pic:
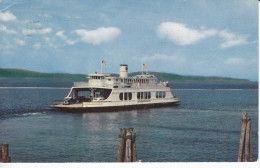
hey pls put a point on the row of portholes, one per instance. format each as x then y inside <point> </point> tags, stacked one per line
<point>127,96</point>
<point>160,94</point>
<point>141,95</point>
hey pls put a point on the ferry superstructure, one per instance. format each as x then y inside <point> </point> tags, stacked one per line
<point>105,92</point>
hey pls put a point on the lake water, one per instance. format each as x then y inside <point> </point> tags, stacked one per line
<point>205,127</point>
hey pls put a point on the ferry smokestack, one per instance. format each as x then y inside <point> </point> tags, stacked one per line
<point>123,71</point>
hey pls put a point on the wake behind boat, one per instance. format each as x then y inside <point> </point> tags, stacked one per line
<point>106,93</point>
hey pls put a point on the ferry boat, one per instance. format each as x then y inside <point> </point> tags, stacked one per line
<point>106,93</point>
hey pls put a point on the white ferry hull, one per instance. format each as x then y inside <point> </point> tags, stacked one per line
<point>69,108</point>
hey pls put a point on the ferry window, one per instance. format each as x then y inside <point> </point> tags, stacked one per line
<point>138,95</point>
<point>163,94</point>
<point>149,95</point>
<point>130,96</point>
<point>142,95</point>
<point>126,68</point>
<point>109,79</point>
<point>121,96</point>
<point>158,95</point>
<point>98,77</point>
<point>102,77</point>
<point>116,79</point>
<point>125,96</point>
<point>145,95</point>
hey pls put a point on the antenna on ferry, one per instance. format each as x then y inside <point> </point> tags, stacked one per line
<point>103,63</point>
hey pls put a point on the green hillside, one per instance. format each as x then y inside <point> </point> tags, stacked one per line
<point>169,77</point>
<point>20,73</point>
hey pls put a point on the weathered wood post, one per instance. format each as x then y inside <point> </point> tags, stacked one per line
<point>126,151</point>
<point>245,145</point>
<point>5,158</point>
<point>247,141</point>
<point>242,138</point>
<point>134,157</point>
<point>128,145</point>
<point>121,145</point>
<point>250,145</point>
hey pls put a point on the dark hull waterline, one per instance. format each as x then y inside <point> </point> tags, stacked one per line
<point>115,108</point>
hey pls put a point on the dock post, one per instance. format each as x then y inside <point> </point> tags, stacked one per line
<point>242,138</point>
<point>5,158</point>
<point>128,146</point>
<point>126,151</point>
<point>121,145</point>
<point>134,147</point>
<point>245,152</point>
<point>247,141</point>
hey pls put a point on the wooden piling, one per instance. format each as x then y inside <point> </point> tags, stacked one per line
<point>245,152</point>
<point>121,145</point>
<point>128,147</point>
<point>250,145</point>
<point>5,158</point>
<point>126,151</point>
<point>242,138</point>
<point>134,147</point>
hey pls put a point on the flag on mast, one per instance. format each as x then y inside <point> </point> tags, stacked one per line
<point>144,66</point>
<point>103,63</point>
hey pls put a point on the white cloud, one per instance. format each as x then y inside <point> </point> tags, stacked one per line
<point>37,45</point>
<point>19,41</point>
<point>7,16</point>
<point>63,37</point>
<point>182,35</point>
<point>36,31</point>
<point>98,36</point>
<point>6,30</point>
<point>231,39</point>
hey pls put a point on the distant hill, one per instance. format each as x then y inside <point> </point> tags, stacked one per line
<point>21,73</point>
<point>175,77</point>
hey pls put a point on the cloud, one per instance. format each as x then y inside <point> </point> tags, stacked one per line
<point>36,31</point>
<point>231,39</point>
<point>182,35</point>
<point>6,30</point>
<point>7,16</point>
<point>19,41</point>
<point>98,36</point>
<point>63,37</point>
<point>37,45</point>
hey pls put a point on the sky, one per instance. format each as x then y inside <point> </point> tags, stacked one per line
<point>186,37</point>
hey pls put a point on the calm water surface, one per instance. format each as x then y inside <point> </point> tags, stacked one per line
<point>205,127</point>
